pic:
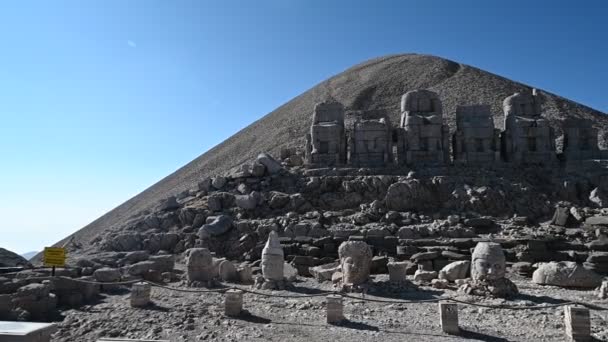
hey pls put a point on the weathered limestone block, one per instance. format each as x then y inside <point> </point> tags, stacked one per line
<point>528,138</point>
<point>219,226</point>
<point>335,311</point>
<point>163,263</point>
<point>580,140</point>
<point>107,275</point>
<point>326,142</point>
<point>566,274</point>
<point>577,323</point>
<point>218,182</point>
<point>140,294</point>
<point>371,142</point>
<point>140,269</point>
<point>355,262</point>
<point>245,274</point>
<point>455,270</point>
<point>227,271</point>
<point>247,202</point>
<point>409,195</point>
<point>475,141</point>
<point>26,331</point>
<point>272,166</point>
<point>169,204</point>
<point>324,272</point>
<point>423,138</point>
<point>36,299</point>
<point>233,305</point>
<point>561,216</point>
<point>290,272</point>
<point>423,276</point>
<point>448,317</point>
<point>397,271</point>
<point>272,259</point>
<point>199,265</point>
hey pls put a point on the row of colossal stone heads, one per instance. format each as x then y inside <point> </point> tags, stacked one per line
<point>422,138</point>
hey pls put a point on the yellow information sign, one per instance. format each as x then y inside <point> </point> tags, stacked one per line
<point>54,256</point>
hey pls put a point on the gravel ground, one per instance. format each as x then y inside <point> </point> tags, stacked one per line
<point>180,316</point>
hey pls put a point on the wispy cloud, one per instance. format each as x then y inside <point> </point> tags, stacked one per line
<point>131,43</point>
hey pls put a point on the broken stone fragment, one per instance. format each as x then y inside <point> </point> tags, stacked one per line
<point>455,270</point>
<point>218,182</point>
<point>423,276</point>
<point>566,274</point>
<point>324,272</point>
<point>107,275</point>
<point>199,265</point>
<point>169,204</point>
<point>270,163</point>
<point>220,225</point>
<point>290,273</point>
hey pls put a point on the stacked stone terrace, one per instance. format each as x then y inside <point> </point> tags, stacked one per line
<point>422,138</point>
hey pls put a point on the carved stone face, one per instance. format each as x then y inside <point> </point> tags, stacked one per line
<point>272,267</point>
<point>355,257</point>
<point>488,262</point>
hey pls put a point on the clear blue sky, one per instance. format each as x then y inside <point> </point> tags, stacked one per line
<point>100,99</point>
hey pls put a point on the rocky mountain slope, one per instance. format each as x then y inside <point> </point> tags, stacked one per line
<point>10,259</point>
<point>375,84</point>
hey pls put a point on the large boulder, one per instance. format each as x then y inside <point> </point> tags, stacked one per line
<point>409,195</point>
<point>169,204</point>
<point>219,226</point>
<point>566,274</point>
<point>455,270</point>
<point>272,166</point>
<point>107,275</point>
<point>247,202</point>
<point>324,272</point>
<point>599,197</point>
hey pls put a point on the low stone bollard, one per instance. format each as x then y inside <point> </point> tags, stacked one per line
<point>233,304</point>
<point>140,294</point>
<point>577,322</point>
<point>335,311</point>
<point>397,271</point>
<point>448,317</point>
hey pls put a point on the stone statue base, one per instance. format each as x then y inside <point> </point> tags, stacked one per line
<point>265,284</point>
<point>208,284</point>
<point>501,288</point>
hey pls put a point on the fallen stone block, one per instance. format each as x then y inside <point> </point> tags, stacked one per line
<point>26,331</point>
<point>566,274</point>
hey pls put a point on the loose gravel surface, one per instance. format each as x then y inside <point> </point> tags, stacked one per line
<point>183,316</point>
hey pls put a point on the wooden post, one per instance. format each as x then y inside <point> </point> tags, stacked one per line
<point>335,313</point>
<point>578,323</point>
<point>233,304</point>
<point>448,317</point>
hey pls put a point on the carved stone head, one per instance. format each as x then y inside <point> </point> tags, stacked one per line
<point>272,258</point>
<point>488,262</point>
<point>355,260</point>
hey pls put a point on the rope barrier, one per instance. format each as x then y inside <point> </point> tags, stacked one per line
<point>325,293</point>
<point>321,294</point>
